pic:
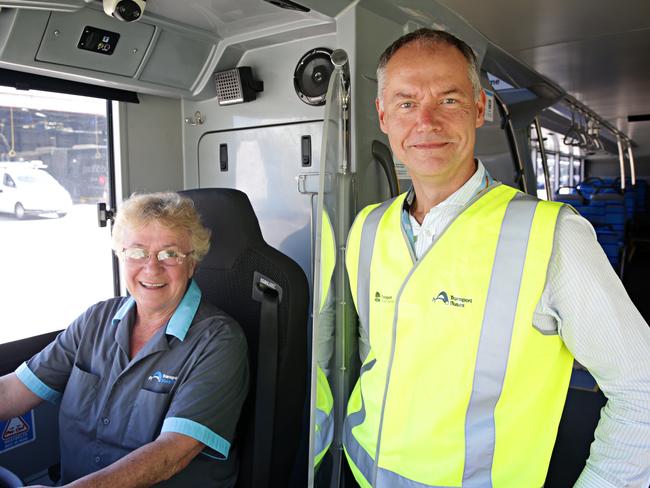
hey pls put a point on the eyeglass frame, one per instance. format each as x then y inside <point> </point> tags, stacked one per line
<point>180,257</point>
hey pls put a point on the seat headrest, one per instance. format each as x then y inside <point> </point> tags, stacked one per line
<point>229,212</point>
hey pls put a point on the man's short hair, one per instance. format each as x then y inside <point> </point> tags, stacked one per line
<point>428,38</point>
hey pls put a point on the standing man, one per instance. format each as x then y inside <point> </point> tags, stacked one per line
<point>473,300</point>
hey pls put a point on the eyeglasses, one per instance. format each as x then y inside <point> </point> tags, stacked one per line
<point>166,257</point>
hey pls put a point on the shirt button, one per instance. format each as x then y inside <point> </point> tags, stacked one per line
<point>106,421</point>
<point>97,459</point>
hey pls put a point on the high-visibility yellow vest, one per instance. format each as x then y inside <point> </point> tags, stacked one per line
<point>459,389</point>
<point>324,423</point>
<point>324,418</point>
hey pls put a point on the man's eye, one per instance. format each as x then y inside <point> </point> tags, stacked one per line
<point>449,100</point>
<point>406,105</point>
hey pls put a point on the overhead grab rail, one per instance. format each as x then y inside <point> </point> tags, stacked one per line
<point>572,136</point>
<point>594,124</point>
<point>585,133</point>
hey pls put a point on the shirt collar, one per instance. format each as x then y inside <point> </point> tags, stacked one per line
<point>477,182</point>
<point>180,322</point>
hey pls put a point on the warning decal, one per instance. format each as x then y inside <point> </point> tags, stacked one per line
<point>17,431</point>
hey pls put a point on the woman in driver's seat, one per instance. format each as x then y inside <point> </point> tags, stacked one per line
<point>150,386</point>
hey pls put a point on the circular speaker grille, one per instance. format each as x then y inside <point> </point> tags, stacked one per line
<point>312,76</point>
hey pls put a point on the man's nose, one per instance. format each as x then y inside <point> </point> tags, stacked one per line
<point>429,117</point>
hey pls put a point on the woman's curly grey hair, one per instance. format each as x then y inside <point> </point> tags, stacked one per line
<point>168,209</point>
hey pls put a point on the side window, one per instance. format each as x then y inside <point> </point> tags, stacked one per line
<point>565,161</point>
<point>57,148</point>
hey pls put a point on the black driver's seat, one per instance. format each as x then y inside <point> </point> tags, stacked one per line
<point>268,294</point>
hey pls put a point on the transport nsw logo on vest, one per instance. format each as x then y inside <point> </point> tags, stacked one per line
<point>451,300</point>
<point>379,298</point>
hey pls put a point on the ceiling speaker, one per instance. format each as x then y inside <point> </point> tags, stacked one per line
<point>312,76</point>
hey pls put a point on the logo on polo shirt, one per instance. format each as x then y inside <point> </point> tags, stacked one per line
<point>163,378</point>
<point>453,300</point>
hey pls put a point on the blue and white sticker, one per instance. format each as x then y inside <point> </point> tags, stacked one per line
<point>17,431</point>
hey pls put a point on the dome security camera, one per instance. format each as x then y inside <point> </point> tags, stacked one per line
<point>126,10</point>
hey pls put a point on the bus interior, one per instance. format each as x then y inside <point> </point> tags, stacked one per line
<point>276,99</point>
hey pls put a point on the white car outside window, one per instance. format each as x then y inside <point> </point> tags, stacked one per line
<point>27,189</point>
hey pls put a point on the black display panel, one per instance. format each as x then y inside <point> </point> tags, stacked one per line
<point>98,40</point>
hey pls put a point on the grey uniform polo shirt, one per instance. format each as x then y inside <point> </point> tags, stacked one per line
<point>191,377</point>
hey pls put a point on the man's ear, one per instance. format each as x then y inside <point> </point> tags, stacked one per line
<point>381,115</point>
<point>480,109</point>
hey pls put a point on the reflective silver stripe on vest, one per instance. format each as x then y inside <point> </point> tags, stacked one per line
<point>360,457</point>
<point>388,479</point>
<point>325,433</point>
<point>494,343</point>
<point>366,246</point>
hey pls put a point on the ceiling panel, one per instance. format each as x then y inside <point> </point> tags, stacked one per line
<point>597,50</point>
<point>523,24</point>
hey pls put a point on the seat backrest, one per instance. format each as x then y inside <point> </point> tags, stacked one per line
<point>238,253</point>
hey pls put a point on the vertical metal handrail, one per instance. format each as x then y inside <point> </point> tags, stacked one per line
<point>542,150</point>
<point>621,160</point>
<point>630,156</point>
<point>341,380</point>
<point>512,141</point>
<point>337,128</point>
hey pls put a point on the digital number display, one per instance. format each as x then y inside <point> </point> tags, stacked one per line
<point>98,40</point>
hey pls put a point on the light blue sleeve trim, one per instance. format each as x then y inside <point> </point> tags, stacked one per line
<point>199,432</point>
<point>37,387</point>
<point>180,322</point>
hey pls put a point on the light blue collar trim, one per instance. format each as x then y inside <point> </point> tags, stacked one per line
<point>180,322</point>
<point>124,309</point>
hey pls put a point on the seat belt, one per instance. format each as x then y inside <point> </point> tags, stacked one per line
<point>269,294</point>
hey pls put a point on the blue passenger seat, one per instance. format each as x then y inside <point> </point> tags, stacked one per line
<point>604,206</point>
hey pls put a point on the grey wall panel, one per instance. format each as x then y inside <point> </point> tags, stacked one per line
<point>187,55</point>
<point>151,145</point>
<point>265,163</point>
<point>277,104</point>
<point>494,151</point>
<point>64,30</point>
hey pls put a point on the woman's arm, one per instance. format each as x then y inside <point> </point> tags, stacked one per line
<point>150,464</point>
<point>15,397</point>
